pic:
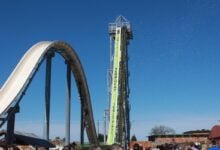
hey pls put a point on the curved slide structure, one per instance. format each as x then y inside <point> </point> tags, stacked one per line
<point>17,83</point>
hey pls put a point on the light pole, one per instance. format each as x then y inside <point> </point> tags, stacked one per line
<point>105,123</point>
<point>131,124</point>
<point>98,127</point>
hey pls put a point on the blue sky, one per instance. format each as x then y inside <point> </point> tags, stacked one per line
<point>174,59</point>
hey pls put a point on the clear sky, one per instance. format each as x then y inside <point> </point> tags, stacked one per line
<point>174,59</point>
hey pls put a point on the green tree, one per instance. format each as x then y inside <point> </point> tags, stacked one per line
<point>162,130</point>
<point>101,137</point>
<point>133,138</point>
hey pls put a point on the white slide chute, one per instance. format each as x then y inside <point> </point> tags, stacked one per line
<point>17,83</point>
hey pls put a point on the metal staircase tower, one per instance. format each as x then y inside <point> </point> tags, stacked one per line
<point>119,124</point>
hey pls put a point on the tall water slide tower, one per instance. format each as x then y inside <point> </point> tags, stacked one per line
<point>119,124</point>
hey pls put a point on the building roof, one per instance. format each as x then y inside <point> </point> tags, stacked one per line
<point>203,131</point>
<point>178,135</point>
<point>27,139</point>
<point>215,132</point>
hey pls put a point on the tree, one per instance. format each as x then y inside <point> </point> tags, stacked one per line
<point>64,139</point>
<point>101,137</point>
<point>133,138</point>
<point>162,130</point>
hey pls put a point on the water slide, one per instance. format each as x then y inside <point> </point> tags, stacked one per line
<point>115,88</point>
<point>17,83</point>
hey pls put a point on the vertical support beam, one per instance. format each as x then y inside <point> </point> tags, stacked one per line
<point>68,103</point>
<point>47,95</point>
<point>11,125</point>
<point>82,123</point>
<point>128,123</point>
<point>127,105</point>
<point>110,74</point>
